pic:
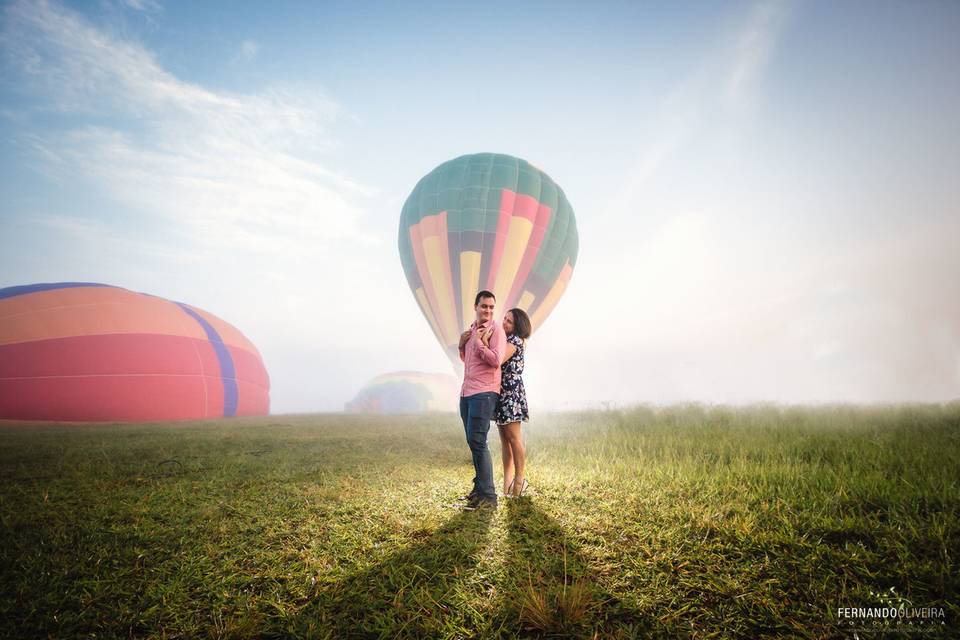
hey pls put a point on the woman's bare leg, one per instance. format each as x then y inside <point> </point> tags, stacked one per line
<point>506,453</point>
<point>515,440</point>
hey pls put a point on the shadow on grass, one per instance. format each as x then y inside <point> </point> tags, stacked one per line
<point>432,589</point>
<point>550,590</point>
<point>417,592</point>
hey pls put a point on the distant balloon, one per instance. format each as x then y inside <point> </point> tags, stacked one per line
<point>407,392</point>
<point>94,352</point>
<point>486,221</point>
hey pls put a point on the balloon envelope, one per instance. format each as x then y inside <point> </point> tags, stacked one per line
<point>407,392</point>
<point>486,221</point>
<point>94,352</point>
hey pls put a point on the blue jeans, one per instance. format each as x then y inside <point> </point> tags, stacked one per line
<point>476,411</point>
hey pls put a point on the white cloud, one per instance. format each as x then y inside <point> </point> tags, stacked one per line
<point>229,169</point>
<point>754,45</point>
<point>221,199</point>
<point>147,6</point>
<point>725,82</point>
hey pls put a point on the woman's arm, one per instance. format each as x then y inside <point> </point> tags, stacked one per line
<point>492,343</point>
<point>509,353</point>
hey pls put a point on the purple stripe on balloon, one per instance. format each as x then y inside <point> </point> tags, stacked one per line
<point>228,375</point>
<point>20,290</point>
<point>453,250</point>
<point>471,241</point>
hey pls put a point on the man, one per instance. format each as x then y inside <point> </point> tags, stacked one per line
<point>481,349</point>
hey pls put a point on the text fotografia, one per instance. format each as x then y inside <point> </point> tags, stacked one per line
<point>890,613</point>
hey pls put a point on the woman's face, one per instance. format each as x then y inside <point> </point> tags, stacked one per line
<point>508,323</point>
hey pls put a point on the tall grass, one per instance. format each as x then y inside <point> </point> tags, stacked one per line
<point>647,522</point>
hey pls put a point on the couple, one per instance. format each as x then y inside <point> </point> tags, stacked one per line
<point>492,357</point>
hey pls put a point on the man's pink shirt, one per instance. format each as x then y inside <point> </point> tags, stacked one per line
<point>481,364</point>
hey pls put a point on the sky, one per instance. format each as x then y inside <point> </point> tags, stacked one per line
<point>765,192</point>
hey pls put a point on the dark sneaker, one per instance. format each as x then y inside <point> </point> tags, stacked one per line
<point>480,503</point>
<point>470,496</point>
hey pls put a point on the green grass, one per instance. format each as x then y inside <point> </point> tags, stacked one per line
<point>685,521</point>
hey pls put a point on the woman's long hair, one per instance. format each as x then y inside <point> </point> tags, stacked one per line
<point>521,323</point>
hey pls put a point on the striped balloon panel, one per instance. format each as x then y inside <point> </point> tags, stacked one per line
<point>84,351</point>
<point>486,221</point>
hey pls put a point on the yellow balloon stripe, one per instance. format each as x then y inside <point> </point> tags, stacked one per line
<point>550,300</point>
<point>441,287</point>
<point>526,300</point>
<point>518,234</point>
<point>416,244</point>
<point>469,281</point>
<point>425,307</point>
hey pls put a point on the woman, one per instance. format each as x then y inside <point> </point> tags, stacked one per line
<point>512,406</point>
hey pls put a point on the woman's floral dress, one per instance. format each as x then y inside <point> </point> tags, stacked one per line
<point>512,406</point>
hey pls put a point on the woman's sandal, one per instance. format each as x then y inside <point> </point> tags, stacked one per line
<point>522,489</point>
<point>509,491</point>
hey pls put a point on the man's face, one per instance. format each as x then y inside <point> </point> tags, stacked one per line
<point>485,310</point>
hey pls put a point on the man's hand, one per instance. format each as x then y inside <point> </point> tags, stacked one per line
<point>485,337</point>
<point>464,337</point>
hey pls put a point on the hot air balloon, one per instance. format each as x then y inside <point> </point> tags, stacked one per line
<point>486,221</point>
<point>95,352</point>
<point>407,392</point>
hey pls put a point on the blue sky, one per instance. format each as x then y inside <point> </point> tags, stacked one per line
<point>765,191</point>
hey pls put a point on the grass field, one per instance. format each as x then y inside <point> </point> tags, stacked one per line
<point>684,521</point>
